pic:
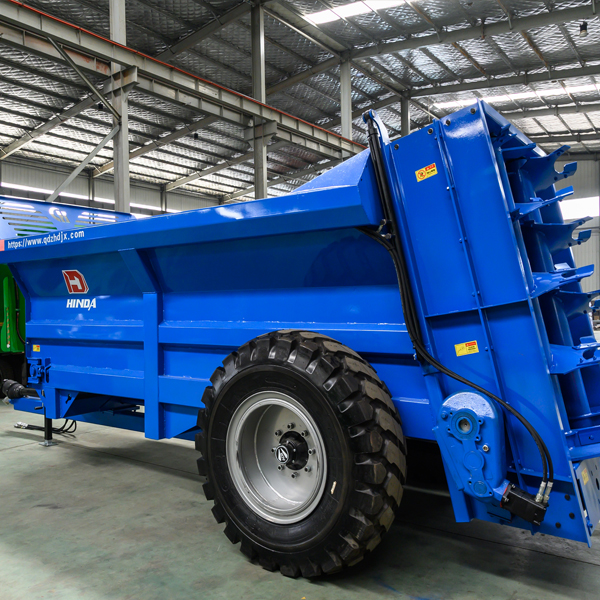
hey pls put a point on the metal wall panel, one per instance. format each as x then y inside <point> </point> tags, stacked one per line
<point>585,181</point>
<point>588,254</point>
<point>49,177</point>
<point>178,201</point>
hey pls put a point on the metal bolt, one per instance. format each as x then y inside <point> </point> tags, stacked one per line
<point>278,432</point>
<point>473,111</point>
<point>280,467</point>
<point>430,131</point>
<point>486,448</point>
<point>304,433</point>
<point>291,425</point>
<point>447,122</point>
<point>273,449</point>
<point>311,451</point>
<point>295,474</point>
<point>396,146</point>
<point>307,469</point>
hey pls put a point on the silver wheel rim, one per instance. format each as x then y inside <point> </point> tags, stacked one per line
<point>260,426</point>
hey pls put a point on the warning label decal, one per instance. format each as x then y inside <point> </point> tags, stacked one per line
<point>466,348</point>
<point>36,348</point>
<point>426,172</point>
<point>585,476</point>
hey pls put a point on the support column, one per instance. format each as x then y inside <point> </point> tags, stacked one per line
<point>404,116</point>
<point>121,140</point>
<point>259,92</point>
<point>91,187</point>
<point>163,198</point>
<point>346,100</point>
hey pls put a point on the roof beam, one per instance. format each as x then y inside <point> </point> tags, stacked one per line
<point>564,139</point>
<point>581,156</point>
<point>283,178</point>
<point>237,12</point>
<point>524,79</point>
<point>123,78</point>
<point>28,29</point>
<point>459,35</point>
<point>162,141</point>
<point>469,33</point>
<point>230,162</point>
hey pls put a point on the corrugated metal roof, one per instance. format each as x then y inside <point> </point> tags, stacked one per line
<point>34,89</point>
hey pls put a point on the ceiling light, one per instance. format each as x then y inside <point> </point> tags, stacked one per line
<point>350,10</point>
<point>583,29</point>
<point>383,4</point>
<point>325,16</point>
<point>558,91</point>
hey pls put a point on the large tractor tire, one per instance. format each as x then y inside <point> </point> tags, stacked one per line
<point>303,452</point>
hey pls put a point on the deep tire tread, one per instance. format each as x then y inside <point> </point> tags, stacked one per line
<point>364,406</point>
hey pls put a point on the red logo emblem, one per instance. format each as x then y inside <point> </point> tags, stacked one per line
<point>76,283</point>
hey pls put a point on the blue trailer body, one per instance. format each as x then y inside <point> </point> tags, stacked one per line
<point>167,298</point>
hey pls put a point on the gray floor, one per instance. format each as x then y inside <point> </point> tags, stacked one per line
<point>109,515</point>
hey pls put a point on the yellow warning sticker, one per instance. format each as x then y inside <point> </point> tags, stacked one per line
<point>466,348</point>
<point>585,476</point>
<point>426,172</point>
<point>36,348</point>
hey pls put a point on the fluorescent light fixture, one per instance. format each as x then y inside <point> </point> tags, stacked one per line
<point>173,210</point>
<point>28,188</point>
<point>350,10</point>
<point>325,16</point>
<point>559,91</point>
<point>383,4</point>
<point>104,200</point>
<point>144,206</point>
<point>581,207</point>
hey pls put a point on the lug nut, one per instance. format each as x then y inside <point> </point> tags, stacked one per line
<point>291,425</point>
<point>280,467</point>
<point>295,474</point>
<point>278,432</point>
<point>307,469</point>
<point>273,449</point>
<point>485,448</point>
<point>311,451</point>
<point>304,433</point>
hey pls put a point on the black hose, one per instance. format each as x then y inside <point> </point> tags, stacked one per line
<point>67,428</point>
<point>394,246</point>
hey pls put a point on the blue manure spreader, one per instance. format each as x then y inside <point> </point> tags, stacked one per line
<point>422,294</point>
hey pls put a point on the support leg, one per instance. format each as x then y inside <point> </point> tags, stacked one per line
<point>48,441</point>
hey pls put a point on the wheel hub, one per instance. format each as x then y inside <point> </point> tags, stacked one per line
<point>292,451</point>
<point>281,476</point>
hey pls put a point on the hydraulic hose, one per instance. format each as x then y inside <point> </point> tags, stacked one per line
<point>391,241</point>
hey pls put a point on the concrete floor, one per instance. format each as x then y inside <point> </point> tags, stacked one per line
<point>109,515</point>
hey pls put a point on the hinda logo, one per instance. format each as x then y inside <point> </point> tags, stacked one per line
<point>76,283</point>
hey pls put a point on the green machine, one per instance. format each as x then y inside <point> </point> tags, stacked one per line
<point>12,333</point>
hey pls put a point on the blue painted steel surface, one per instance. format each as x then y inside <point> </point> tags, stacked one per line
<point>493,275</point>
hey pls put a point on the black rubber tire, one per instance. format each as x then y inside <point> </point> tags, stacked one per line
<point>366,451</point>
